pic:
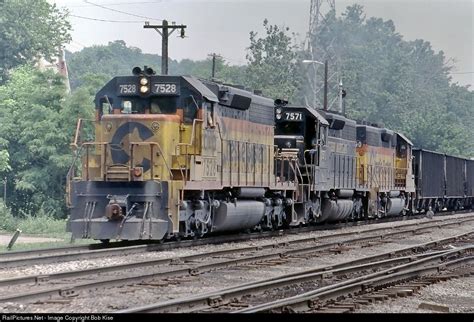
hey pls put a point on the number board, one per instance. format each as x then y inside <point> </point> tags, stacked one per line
<point>293,116</point>
<point>165,88</point>
<point>127,89</point>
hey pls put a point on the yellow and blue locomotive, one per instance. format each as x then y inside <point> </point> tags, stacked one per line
<point>349,170</point>
<point>177,156</point>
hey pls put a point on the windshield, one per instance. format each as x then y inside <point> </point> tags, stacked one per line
<point>289,128</point>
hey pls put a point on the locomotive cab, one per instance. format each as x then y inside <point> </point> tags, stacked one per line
<point>300,128</point>
<point>147,132</point>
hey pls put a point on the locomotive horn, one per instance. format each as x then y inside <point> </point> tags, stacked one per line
<point>280,102</point>
<point>136,71</point>
<point>149,71</point>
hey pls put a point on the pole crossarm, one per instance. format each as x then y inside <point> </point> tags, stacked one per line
<point>165,30</point>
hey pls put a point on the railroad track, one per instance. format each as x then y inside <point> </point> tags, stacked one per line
<point>153,245</point>
<point>273,253</point>
<point>92,251</point>
<point>325,286</point>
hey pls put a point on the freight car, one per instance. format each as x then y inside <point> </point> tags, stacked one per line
<point>443,182</point>
<point>176,156</point>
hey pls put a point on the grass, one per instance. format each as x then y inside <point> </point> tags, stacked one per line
<point>49,244</point>
<point>40,225</point>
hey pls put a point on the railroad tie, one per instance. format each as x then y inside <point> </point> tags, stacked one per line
<point>344,305</point>
<point>238,304</point>
<point>401,292</point>
<point>376,297</point>
<point>433,307</point>
<point>334,310</point>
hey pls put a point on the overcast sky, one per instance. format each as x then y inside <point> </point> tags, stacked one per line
<point>223,26</point>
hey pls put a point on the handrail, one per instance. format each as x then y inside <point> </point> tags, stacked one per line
<point>222,152</point>
<point>188,144</point>
<point>77,135</point>
<point>192,133</point>
<point>70,174</point>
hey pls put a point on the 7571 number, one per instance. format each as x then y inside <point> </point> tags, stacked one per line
<point>293,116</point>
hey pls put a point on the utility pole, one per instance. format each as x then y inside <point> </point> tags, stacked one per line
<point>318,11</point>
<point>325,104</point>
<point>166,31</point>
<point>213,65</point>
<point>214,55</point>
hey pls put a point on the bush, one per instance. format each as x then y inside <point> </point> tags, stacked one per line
<point>7,221</point>
<point>42,222</point>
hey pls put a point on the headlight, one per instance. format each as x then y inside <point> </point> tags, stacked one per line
<point>278,110</point>
<point>143,81</point>
<point>278,116</point>
<point>144,89</point>
<point>288,144</point>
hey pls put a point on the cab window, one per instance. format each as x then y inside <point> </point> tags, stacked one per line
<point>191,107</point>
<point>289,128</point>
<point>163,105</point>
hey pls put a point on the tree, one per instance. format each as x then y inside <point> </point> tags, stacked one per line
<point>273,66</point>
<point>114,59</point>
<point>4,161</point>
<point>32,132</point>
<point>117,59</point>
<point>30,30</point>
<point>402,84</point>
<point>226,73</point>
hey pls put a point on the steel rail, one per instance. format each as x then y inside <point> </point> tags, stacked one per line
<point>50,255</point>
<point>309,300</point>
<point>119,281</point>
<point>118,251</point>
<point>201,301</point>
<point>183,259</point>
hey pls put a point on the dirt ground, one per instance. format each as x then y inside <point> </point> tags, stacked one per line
<point>22,239</point>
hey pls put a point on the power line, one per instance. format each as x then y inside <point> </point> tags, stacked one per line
<point>233,60</point>
<point>117,4</point>
<point>463,73</point>
<point>104,20</point>
<point>122,12</point>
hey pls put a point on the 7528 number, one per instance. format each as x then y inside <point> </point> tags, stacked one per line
<point>165,88</point>
<point>127,89</point>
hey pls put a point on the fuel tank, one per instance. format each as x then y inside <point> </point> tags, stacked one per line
<point>239,215</point>
<point>336,210</point>
<point>395,206</point>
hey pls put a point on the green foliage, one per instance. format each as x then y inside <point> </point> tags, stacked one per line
<point>4,161</point>
<point>224,72</point>
<point>32,131</point>
<point>42,222</point>
<point>401,84</point>
<point>94,66</point>
<point>7,221</point>
<point>273,65</point>
<point>30,30</point>
<point>109,61</point>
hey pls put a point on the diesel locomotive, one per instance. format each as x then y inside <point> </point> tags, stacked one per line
<point>177,156</point>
